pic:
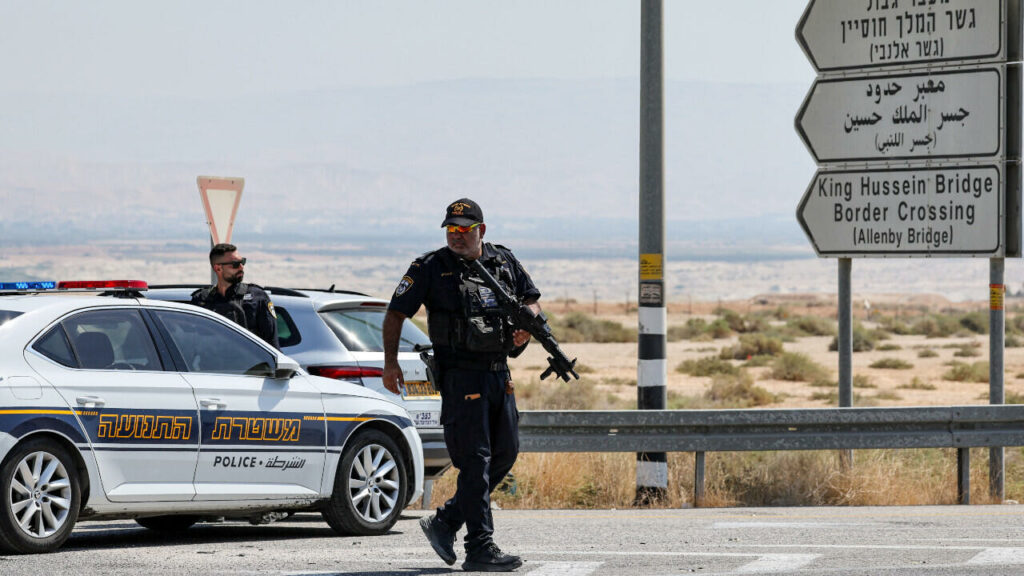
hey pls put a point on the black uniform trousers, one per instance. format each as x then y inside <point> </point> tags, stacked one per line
<point>481,431</point>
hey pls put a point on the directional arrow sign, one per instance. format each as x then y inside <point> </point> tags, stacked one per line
<point>904,116</point>
<point>928,211</point>
<point>844,34</point>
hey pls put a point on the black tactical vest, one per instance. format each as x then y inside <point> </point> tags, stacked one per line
<point>480,326</point>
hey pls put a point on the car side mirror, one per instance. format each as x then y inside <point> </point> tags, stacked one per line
<point>286,367</point>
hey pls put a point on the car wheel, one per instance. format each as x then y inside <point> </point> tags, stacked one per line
<point>167,523</point>
<point>370,487</point>
<point>41,497</point>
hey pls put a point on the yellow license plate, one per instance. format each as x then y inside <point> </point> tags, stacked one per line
<point>419,388</point>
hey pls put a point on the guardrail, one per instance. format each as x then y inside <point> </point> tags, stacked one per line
<point>700,431</point>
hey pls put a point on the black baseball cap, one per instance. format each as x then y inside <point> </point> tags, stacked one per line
<point>463,212</point>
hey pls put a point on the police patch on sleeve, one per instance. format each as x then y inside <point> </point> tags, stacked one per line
<point>403,286</point>
<point>270,306</point>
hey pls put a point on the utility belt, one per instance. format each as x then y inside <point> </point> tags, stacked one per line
<point>483,365</point>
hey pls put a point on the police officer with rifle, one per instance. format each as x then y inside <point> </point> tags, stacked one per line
<point>470,324</point>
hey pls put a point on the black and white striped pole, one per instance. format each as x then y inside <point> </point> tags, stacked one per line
<point>651,467</point>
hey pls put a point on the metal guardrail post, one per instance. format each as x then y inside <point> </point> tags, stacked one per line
<point>963,475</point>
<point>698,479</point>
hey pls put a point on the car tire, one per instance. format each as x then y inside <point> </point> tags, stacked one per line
<point>41,497</point>
<point>167,523</point>
<point>370,486</point>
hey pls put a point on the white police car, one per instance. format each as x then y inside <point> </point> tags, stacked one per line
<point>126,407</point>
<point>337,334</point>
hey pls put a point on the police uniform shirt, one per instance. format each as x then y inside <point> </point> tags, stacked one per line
<point>245,304</point>
<point>433,281</point>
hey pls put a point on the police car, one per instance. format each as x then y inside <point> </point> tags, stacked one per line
<point>337,334</point>
<point>127,407</point>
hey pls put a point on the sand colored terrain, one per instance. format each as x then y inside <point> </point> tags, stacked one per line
<point>615,364</point>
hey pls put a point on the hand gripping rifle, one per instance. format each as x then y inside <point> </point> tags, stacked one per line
<point>536,324</point>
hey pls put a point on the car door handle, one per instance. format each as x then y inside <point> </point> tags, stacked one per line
<point>90,401</point>
<point>212,403</point>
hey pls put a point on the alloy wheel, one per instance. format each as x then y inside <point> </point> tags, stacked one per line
<point>374,483</point>
<point>40,497</point>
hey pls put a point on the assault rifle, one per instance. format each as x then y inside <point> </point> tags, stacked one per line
<point>536,324</point>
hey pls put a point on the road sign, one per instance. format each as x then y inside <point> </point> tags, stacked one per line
<point>926,211</point>
<point>845,34</point>
<point>931,114</point>
<point>220,202</point>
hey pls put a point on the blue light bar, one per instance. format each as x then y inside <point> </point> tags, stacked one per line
<point>44,285</point>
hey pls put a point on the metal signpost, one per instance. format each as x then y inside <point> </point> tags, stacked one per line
<point>651,467</point>
<point>914,121</point>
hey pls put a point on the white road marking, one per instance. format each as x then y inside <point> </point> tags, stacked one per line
<point>999,556</point>
<point>780,563</point>
<point>565,569</point>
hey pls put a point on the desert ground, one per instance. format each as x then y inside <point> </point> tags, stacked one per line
<point>615,364</point>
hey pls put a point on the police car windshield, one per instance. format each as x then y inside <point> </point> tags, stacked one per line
<point>360,330</point>
<point>8,315</point>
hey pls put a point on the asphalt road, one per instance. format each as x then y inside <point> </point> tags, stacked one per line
<point>947,541</point>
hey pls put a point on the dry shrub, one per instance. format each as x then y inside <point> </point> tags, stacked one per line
<point>738,391</point>
<point>707,366</point>
<point>812,326</point>
<point>794,366</point>
<point>751,345</point>
<point>961,372</point>
<point>891,364</point>
<point>580,327</point>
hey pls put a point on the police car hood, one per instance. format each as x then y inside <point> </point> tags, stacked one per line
<point>343,388</point>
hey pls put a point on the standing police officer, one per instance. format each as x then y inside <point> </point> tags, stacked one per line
<point>246,304</point>
<point>472,339</point>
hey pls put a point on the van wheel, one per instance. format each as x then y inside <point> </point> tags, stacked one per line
<point>167,523</point>
<point>370,487</point>
<point>41,497</point>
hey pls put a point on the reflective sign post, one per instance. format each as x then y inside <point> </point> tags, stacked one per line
<point>651,467</point>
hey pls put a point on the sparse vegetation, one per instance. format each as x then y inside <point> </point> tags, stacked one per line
<point>797,367</point>
<point>891,364</point>
<point>927,353</point>
<point>738,391</point>
<point>917,384</point>
<point>863,339</point>
<point>966,352</point>
<point>962,372</point>
<point>812,326</point>
<point>579,327</point>
<point>751,345</point>
<point>707,366</point>
<point>889,347</point>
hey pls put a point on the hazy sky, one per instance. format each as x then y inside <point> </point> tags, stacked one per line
<point>190,47</point>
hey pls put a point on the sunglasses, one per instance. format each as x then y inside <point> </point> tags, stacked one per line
<point>233,263</point>
<point>461,229</point>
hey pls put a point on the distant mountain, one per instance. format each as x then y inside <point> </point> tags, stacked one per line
<point>554,164</point>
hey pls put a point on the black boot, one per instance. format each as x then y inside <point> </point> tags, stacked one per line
<point>491,559</point>
<point>441,538</point>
